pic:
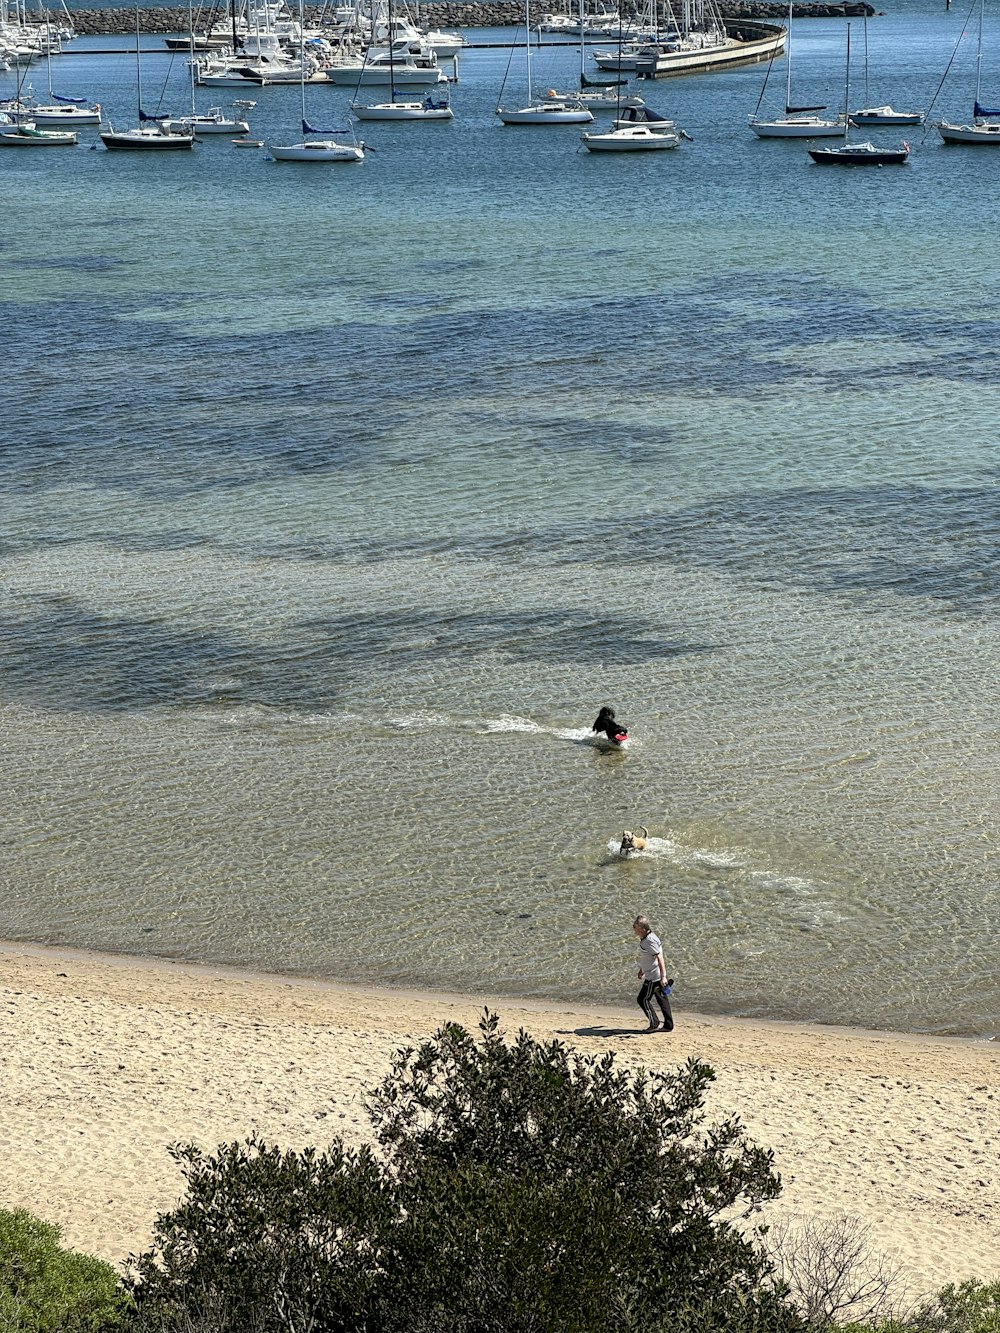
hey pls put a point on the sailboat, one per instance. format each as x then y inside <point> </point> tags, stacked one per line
<point>62,112</point>
<point>214,120</point>
<point>632,135</point>
<point>24,135</point>
<point>315,150</point>
<point>798,122</point>
<point>857,154</point>
<point>597,97</point>
<point>542,111</point>
<point>985,128</point>
<point>881,115</point>
<point>428,108</point>
<point>150,134</point>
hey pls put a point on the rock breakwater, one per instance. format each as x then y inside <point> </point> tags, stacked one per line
<point>446,14</point>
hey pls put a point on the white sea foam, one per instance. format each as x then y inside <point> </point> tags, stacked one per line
<point>508,722</point>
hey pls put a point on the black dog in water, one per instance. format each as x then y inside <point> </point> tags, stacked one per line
<point>616,732</point>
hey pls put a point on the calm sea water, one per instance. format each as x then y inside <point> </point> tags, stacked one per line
<point>336,501</point>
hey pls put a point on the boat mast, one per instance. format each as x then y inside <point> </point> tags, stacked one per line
<point>527,45</point>
<point>48,45</point>
<point>302,62</point>
<point>138,64</point>
<point>847,85</point>
<point>867,101</point>
<point>191,35</point>
<point>392,67</point>
<point>979,56</point>
<point>788,63</point>
<point>583,70</point>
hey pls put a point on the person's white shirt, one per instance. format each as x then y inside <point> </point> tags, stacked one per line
<point>650,950</point>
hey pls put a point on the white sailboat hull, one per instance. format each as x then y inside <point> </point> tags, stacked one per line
<point>986,133</point>
<point>231,79</point>
<point>806,127</point>
<point>24,136</point>
<point>631,139</point>
<point>540,113</point>
<point>63,116</point>
<point>319,150</point>
<point>206,125</point>
<point>401,111</point>
<point>352,76</point>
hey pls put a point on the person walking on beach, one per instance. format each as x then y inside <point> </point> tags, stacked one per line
<point>653,975</point>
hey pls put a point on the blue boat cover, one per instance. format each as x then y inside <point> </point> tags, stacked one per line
<point>795,110</point>
<point>642,115</point>
<point>978,111</point>
<point>77,101</point>
<point>143,116</point>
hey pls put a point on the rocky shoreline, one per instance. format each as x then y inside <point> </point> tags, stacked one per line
<point>448,14</point>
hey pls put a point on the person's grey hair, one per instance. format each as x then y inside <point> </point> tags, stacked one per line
<point>642,922</point>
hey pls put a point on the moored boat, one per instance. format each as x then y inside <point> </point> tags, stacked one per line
<point>884,115</point>
<point>550,110</point>
<point>316,149</point>
<point>980,131</point>
<point>428,109</point>
<point>798,122</point>
<point>860,155</point>
<point>26,136</point>
<point>630,139</point>
<point>146,138</point>
<point>213,121</point>
<point>149,135</point>
<point>984,128</point>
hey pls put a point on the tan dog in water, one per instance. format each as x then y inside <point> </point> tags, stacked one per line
<point>634,842</point>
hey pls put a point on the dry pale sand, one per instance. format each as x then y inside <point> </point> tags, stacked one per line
<point>106,1061</point>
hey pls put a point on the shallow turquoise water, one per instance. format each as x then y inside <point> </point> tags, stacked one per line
<point>336,502</point>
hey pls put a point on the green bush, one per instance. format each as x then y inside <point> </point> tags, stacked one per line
<point>523,1188</point>
<point>45,1288</point>
<point>972,1307</point>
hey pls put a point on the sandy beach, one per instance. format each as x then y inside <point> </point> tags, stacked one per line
<point>107,1061</point>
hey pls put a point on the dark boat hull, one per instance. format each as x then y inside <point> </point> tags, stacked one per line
<point>158,144</point>
<point>843,157</point>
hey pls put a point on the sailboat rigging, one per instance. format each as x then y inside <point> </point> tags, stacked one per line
<point>315,150</point>
<point>213,121</point>
<point>858,154</point>
<point>150,134</point>
<point>650,133</point>
<point>880,115</point>
<point>429,108</point>
<point>542,111</point>
<point>985,127</point>
<point>798,122</point>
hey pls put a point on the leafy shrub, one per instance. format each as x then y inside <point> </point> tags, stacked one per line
<point>972,1307</point>
<point>523,1188</point>
<point>45,1288</point>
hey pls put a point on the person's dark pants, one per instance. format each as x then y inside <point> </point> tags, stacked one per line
<point>652,992</point>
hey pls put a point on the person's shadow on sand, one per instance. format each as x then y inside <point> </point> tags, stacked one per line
<point>603,1032</point>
